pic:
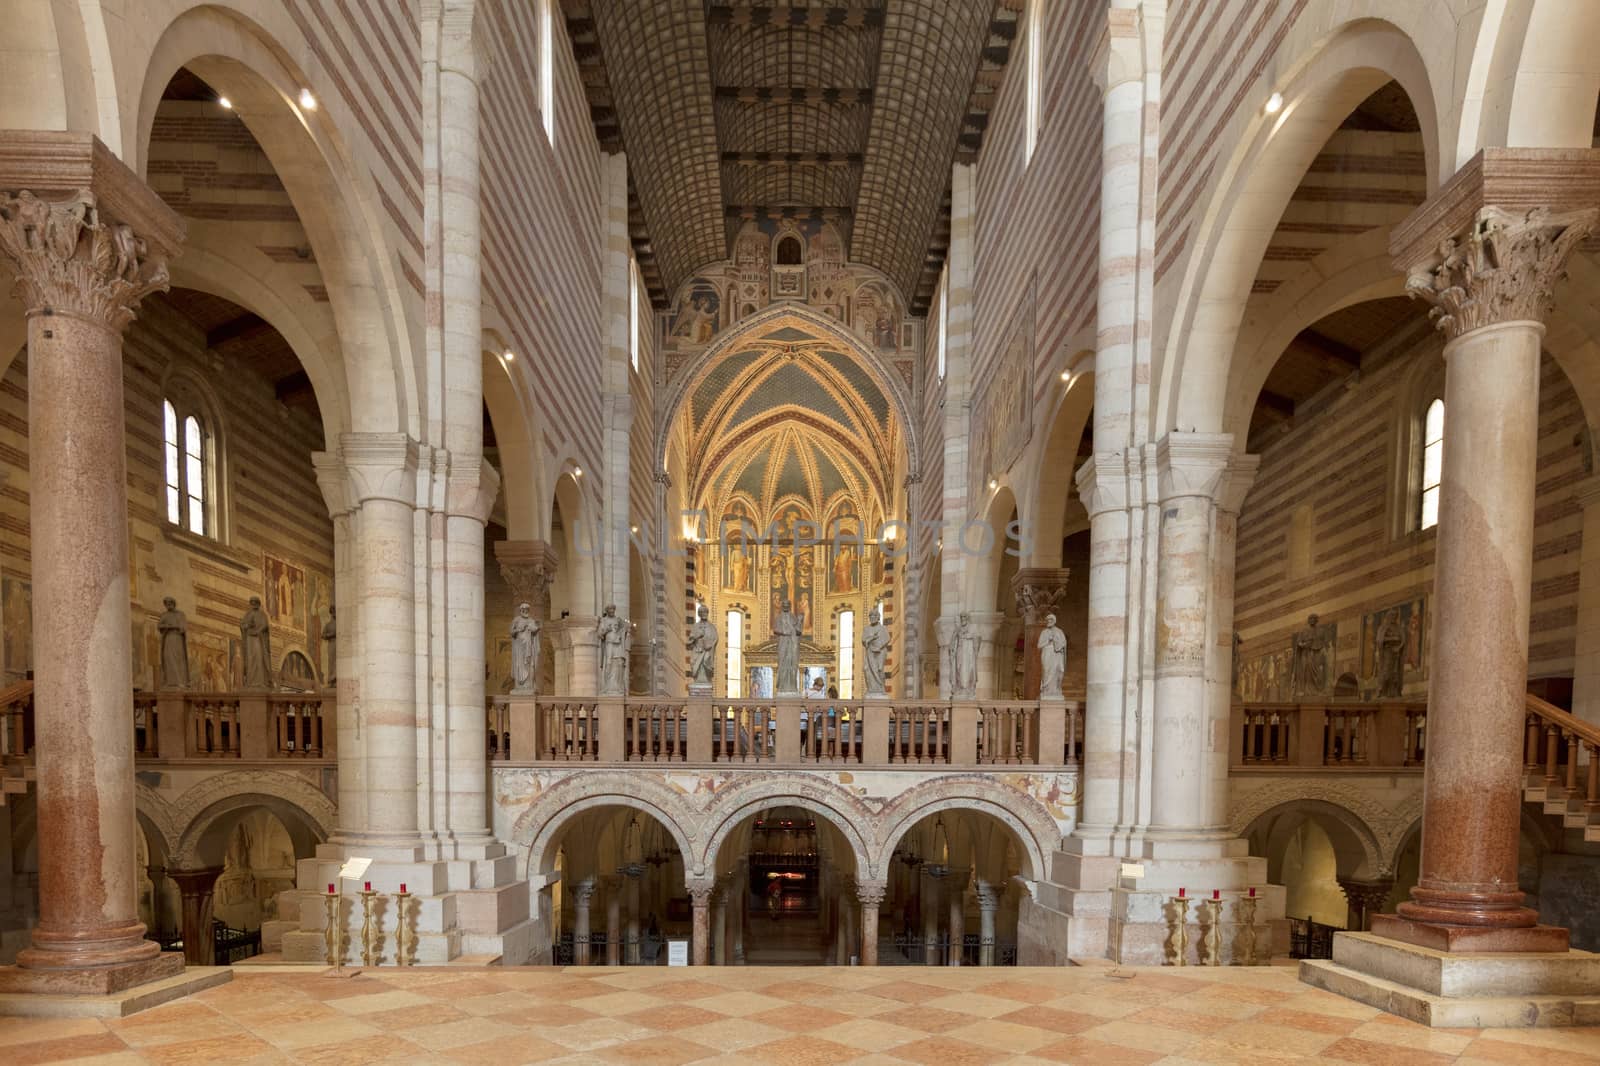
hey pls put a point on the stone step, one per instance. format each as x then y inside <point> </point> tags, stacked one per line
<point>1459,975</point>
<point>1472,1012</point>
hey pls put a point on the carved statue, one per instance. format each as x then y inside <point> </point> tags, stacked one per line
<point>1391,645</point>
<point>786,627</point>
<point>1052,659</point>
<point>174,628</point>
<point>875,640</point>
<point>613,634</point>
<point>964,659</point>
<point>1308,674</point>
<point>257,635</point>
<point>702,649</point>
<point>330,640</point>
<point>525,652</point>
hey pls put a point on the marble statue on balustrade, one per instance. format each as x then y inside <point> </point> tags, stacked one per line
<point>174,629</point>
<point>786,627</point>
<point>875,641</point>
<point>702,650</point>
<point>964,659</point>
<point>1391,641</point>
<point>525,652</point>
<point>330,641</point>
<point>613,636</point>
<point>1308,672</point>
<point>256,633</point>
<point>1052,659</point>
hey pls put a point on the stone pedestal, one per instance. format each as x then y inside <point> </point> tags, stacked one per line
<point>86,241</point>
<point>195,888</point>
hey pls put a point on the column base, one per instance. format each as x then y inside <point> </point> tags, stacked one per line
<point>1504,989</point>
<point>91,980</point>
<point>118,1004</point>
<point>1470,938</point>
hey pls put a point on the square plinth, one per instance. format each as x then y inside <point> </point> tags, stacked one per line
<point>115,1004</point>
<point>91,980</point>
<point>1470,938</point>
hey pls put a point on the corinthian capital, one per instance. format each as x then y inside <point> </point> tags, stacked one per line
<point>1503,268</point>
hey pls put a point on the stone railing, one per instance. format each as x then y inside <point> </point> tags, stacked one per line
<point>233,725</point>
<point>783,732</point>
<point>1388,734</point>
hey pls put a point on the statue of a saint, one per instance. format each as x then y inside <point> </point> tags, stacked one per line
<point>875,640</point>
<point>964,659</point>
<point>174,628</point>
<point>525,652</point>
<point>1391,644</point>
<point>702,650</point>
<point>330,640</point>
<point>613,634</point>
<point>257,635</point>
<point>1308,674</point>
<point>1052,659</point>
<point>786,627</point>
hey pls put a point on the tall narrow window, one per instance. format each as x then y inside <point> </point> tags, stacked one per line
<point>1035,55</point>
<point>547,79</point>
<point>1432,463</point>
<point>186,468</point>
<point>847,653</point>
<point>633,312</point>
<point>735,654</point>
<point>944,318</point>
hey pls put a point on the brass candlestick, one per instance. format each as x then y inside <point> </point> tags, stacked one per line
<point>1213,912</point>
<point>1244,948</point>
<point>405,942</point>
<point>330,934</point>
<point>371,935</point>
<point>1177,945</point>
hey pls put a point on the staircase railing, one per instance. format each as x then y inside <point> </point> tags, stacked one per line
<point>16,731</point>
<point>1562,752</point>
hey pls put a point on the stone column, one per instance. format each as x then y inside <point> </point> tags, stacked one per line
<point>1489,278</point>
<point>349,735</point>
<point>931,878</point>
<point>1586,658</point>
<point>994,675</point>
<point>582,894</point>
<point>1038,591</point>
<point>1190,795</point>
<point>632,874</point>
<point>86,240</point>
<point>719,923</point>
<point>870,894</point>
<point>740,888</point>
<point>381,469</point>
<point>700,898</point>
<point>583,651</point>
<point>956,888</point>
<point>196,887</point>
<point>1366,898</point>
<point>988,903</point>
<point>614,921</point>
<point>157,875</point>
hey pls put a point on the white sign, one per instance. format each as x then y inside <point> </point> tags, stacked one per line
<point>677,953</point>
<point>353,869</point>
<point>1134,870</point>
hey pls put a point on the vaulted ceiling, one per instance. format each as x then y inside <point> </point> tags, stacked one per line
<point>850,110</point>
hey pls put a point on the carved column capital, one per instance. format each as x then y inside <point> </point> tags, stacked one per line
<point>989,895</point>
<point>1193,464</point>
<point>528,566</point>
<point>583,891</point>
<point>83,234</point>
<point>1039,591</point>
<point>1502,268</point>
<point>700,892</point>
<point>379,466</point>
<point>871,893</point>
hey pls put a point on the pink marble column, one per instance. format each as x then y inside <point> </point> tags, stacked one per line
<point>195,888</point>
<point>1490,279</point>
<point>582,896</point>
<point>700,946</point>
<point>87,240</point>
<point>871,897</point>
<point>957,894</point>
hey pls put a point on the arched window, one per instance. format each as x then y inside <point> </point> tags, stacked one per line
<point>633,313</point>
<point>1432,465</point>
<point>187,464</point>
<point>1035,56</point>
<point>547,74</point>
<point>847,653</point>
<point>943,311</point>
<point>790,252</point>
<point>735,654</point>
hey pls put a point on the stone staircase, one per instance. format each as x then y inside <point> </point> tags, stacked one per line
<point>17,772</point>
<point>1561,763</point>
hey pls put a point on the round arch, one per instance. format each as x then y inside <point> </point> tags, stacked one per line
<point>1533,78</point>
<point>204,840</point>
<point>1049,484</point>
<point>1037,832</point>
<point>1270,157</point>
<point>340,213</point>
<point>305,810</point>
<point>1355,845</point>
<point>825,800</point>
<point>740,336</point>
<point>540,826</point>
<point>983,571</point>
<point>577,578</point>
<point>521,454</point>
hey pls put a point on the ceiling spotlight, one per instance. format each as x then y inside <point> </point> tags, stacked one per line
<point>227,105</point>
<point>510,356</point>
<point>994,483</point>
<point>1274,103</point>
<point>577,471</point>
<point>633,529</point>
<point>308,101</point>
<point>1066,375</point>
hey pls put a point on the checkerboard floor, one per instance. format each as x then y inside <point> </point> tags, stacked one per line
<point>938,1017</point>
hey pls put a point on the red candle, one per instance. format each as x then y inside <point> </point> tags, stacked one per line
<point>1252,893</point>
<point>330,890</point>
<point>1180,893</point>
<point>1216,893</point>
<point>366,886</point>
<point>403,889</point>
